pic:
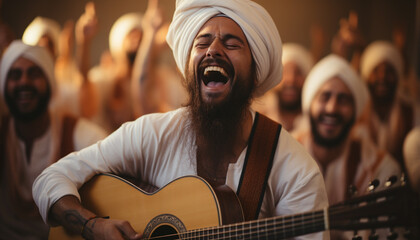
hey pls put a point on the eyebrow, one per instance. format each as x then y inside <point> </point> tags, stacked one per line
<point>224,37</point>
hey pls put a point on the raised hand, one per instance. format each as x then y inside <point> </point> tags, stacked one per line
<point>87,25</point>
<point>66,40</point>
<point>153,17</point>
<point>348,38</point>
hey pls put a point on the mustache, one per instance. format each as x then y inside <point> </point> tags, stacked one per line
<point>332,115</point>
<point>30,89</point>
<point>290,87</point>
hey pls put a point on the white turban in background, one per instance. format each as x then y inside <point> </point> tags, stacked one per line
<point>378,52</point>
<point>38,28</point>
<point>120,29</point>
<point>327,68</point>
<point>256,23</point>
<point>411,152</point>
<point>296,53</point>
<point>39,55</point>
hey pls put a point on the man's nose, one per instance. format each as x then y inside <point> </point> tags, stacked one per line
<point>331,105</point>
<point>24,79</point>
<point>215,49</point>
<point>381,74</point>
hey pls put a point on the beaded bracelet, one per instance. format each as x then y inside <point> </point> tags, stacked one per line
<point>86,222</point>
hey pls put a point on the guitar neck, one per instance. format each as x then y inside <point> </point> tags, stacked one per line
<point>269,228</point>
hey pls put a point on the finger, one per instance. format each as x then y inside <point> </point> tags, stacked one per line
<point>90,9</point>
<point>128,230</point>
<point>153,4</point>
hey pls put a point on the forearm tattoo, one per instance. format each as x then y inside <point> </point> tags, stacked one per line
<point>73,220</point>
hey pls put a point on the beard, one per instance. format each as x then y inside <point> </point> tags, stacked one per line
<point>40,109</point>
<point>289,106</point>
<point>383,98</point>
<point>330,142</point>
<point>216,125</point>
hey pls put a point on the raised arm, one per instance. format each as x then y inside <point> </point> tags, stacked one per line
<point>349,41</point>
<point>86,29</point>
<point>146,85</point>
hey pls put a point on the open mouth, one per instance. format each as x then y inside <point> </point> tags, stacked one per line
<point>26,95</point>
<point>330,120</point>
<point>214,76</point>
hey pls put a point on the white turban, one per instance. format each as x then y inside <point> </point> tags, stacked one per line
<point>296,53</point>
<point>39,55</point>
<point>120,29</point>
<point>378,52</point>
<point>327,68</point>
<point>412,156</point>
<point>39,27</point>
<point>256,23</point>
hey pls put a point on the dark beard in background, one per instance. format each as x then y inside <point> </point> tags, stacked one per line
<point>334,142</point>
<point>289,106</point>
<point>381,100</point>
<point>38,111</point>
<point>216,125</point>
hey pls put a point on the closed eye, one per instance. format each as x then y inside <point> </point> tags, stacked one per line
<point>202,45</point>
<point>232,46</point>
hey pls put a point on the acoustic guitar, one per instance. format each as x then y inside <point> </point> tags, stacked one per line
<point>189,208</point>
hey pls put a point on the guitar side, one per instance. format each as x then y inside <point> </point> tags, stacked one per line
<point>185,204</point>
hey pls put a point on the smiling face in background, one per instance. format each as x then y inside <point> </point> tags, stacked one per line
<point>332,113</point>
<point>382,83</point>
<point>27,91</point>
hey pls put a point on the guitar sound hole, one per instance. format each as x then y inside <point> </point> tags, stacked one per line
<point>164,226</point>
<point>165,232</point>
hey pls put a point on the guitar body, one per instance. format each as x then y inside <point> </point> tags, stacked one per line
<point>185,204</point>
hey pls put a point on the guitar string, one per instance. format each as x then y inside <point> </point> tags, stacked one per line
<point>251,232</point>
<point>259,231</point>
<point>289,224</point>
<point>295,224</point>
<point>265,228</point>
<point>300,223</point>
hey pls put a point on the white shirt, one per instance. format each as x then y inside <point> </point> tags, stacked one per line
<point>159,148</point>
<point>13,225</point>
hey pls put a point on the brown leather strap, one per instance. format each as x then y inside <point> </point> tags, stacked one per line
<point>353,161</point>
<point>257,166</point>
<point>67,145</point>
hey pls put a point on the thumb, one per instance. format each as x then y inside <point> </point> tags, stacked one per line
<point>136,236</point>
<point>129,232</point>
